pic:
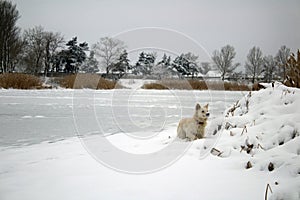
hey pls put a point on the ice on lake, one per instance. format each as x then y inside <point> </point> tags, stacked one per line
<point>33,116</point>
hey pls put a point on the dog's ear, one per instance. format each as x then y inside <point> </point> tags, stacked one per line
<point>198,106</point>
<point>206,106</point>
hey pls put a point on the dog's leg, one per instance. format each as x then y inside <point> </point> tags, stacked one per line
<point>191,136</point>
<point>200,132</point>
<point>180,132</point>
<point>198,136</point>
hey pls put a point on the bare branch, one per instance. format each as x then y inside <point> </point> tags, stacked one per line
<point>224,60</point>
<point>108,50</point>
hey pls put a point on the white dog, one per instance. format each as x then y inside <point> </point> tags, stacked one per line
<point>194,128</point>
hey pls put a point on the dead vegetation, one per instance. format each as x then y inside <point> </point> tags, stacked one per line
<point>89,81</point>
<point>196,85</point>
<point>19,81</point>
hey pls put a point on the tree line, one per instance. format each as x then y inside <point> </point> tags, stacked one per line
<point>36,51</point>
<point>257,65</point>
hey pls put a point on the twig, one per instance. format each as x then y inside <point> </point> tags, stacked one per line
<point>216,152</point>
<point>242,148</point>
<point>228,125</point>
<point>247,104</point>
<point>231,110</point>
<point>267,189</point>
<point>244,129</point>
<point>259,145</point>
<point>250,94</point>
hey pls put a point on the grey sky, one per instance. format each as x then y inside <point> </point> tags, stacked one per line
<point>212,23</point>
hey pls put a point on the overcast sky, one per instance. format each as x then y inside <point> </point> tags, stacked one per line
<point>211,23</point>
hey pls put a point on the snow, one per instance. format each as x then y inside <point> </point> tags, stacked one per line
<point>263,129</point>
<point>135,83</point>
<point>64,170</point>
<point>51,144</point>
<point>213,73</point>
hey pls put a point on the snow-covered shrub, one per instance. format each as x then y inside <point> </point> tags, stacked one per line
<point>262,130</point>
<point>262,124</point>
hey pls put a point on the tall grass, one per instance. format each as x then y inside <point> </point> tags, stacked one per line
<point>19,81</point>
<point>90,81</point>
<point>196,85</point>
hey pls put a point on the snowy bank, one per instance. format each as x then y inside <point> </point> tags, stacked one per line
<point>263,130</point>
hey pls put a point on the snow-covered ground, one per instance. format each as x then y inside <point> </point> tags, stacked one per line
<point>58,144</point>
<point>135,83</point>
<point>263,132</point>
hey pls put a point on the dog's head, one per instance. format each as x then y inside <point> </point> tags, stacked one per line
<point>201,113</point>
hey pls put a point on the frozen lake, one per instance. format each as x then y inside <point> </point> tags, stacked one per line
<point>32,116</point>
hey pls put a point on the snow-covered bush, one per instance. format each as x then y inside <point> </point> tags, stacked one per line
<point>263,130</point>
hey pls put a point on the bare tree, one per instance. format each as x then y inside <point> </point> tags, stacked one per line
<point>269,68</point>
<point>109,50</point>
<point>9,34</point>
<point>40,48</point>
<point>53,41</point>
<point>34,49</point>
<point>224,60</point>
<point>254,63</point>
<point>282,57</point>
